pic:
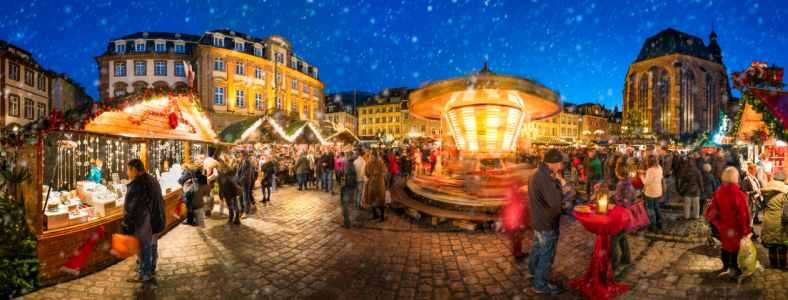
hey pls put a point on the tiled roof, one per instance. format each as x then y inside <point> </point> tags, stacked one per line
<point>671,41</point>
<point>150,43</point>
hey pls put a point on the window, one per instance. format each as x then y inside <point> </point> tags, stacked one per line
<point>42,83</point>
<point>258,51</point>
<point>120,48</point>
<point>563,120</point>
<point>279,103</point>
<point>314,92</point>
<point>710,111</point>
<point>563,131</point>
<point>239,68</point>
<point>377,120</point>
<point>295,107</point>
<point>664,100</point>
<point>363,111</point>
<point>258,72</point>
<point>396,130</point>
<point>139,68</point>
<point>396,109</point>
<point>28,109</point>
<point>377,110</point>
<point>293,84</point>
<point>363,131</point>
<point>41,110</point>
<point>574,132</point>
<point>642,93</point>
<point>179,71</point>
<point>688,103</point>
<point>363,121</point>
<point>239,98</point>
<point>305,89</point>
<point>406,116</point>
<point>161,68</point>
<point>433,131</point>
<point>239,46</point>
<point>180,48</point>
<point>391,109</point>
<point>13,72</point>
<point>306,111</point>
<point>278,77</point>
<point>574,121</point>
<point>218,95</point>
<point>141,47</point>
<point>218,64</point>
<point>28,77</point>
<point>120,69</point>
<point>160,47</point>
<point>258,101</point>
<point>13,106</point>
<point>218,41</point>
<point>391,119</point>
<point>391,130</point>
<point>423,127</point>
<point>279,58</point>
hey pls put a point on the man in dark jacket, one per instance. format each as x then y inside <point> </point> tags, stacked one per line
<point>245,176</point>
<point>143,217</point>
<point>328,171</point>
<point>544,193</point>
<point>302,169</point>
<point>699,160</point>
<point>690,186</point>
<point>348,191</point>
<point>718,165</point>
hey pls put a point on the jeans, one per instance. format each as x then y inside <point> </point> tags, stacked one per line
<point>695,201</point>
<point>360,191</point>
<point>273,185</point>
<point>347,195</point>
<point>718,182</point>
<point>328,180</point>
<point>654,213</point>
<point>266,196</point>
<point>149,254</point>
<point>232,208</point>
<point>208,203</point>
<point>432,167</point>
<point>667,194</point>
<point>246,199</point>
<point>338,174</point>
<point>542,256</point>
<point>301,178</point>
<point>619,240</point>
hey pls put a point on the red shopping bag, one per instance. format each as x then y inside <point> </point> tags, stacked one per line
<point>124,246</point>
<point>639,218</point>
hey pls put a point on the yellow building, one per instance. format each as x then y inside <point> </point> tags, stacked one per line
<point>549,128</point>
<point>381,114</point>
<point>342,114</point>
<point>66,93</point>
<point>569,124</point>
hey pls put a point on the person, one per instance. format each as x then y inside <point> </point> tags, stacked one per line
<point>624,197</point>
<point>229,192</point>
<point>652,190</point>
<point>375,192</point>
<point>360,165</point>
<point>699,160</point>
<point>275,163</point>
<point>690,187</point>
<point>733,220</point>
<point>393,169</point>
<point>339,165</point>
<point>319,171</point>
<point>717,166</point>
<point>418,167</point>
<point>310,176</point>
<point>403,164</point>
<point>732,160</point>
<point>760,174</point>
<point>267,177</point>
<point>433,159</point>
<point>212,172</point>
<point>348,191</point>
<point>95,171</point>
<point>773,232</point>
<point>515,215</point>
<point>245,181</point>
<point>666,162</point>
<point>190,201</point>
<point>143,217</point>
<point>593,170</point>
<point>751,188</point>
<point>610,176</point>
<point>328,171</point>
<point>302,169</point>
<point>709,186</point>
<point>642,168</point>
<point>544,193</point>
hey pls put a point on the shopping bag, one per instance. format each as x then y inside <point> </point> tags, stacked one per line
<point>639,218</point>
<point>711,213</point>
<point>124,246</point>
<point>388,197</point>
<point>199,217</point>
<point>747,257</point>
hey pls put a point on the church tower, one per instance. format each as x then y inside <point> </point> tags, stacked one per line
<point>713,47</point>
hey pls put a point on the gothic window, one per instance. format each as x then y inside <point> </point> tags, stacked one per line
<point>632,97</point>
<point>710,103</point>
<point>664,101</point>
<point>642,93</point>
<point>688,103</point>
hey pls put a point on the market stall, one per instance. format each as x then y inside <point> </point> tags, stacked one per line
<point>94,141</point>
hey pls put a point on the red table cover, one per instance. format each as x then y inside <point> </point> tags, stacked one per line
<point>637,184</point>
<point>598,282</point>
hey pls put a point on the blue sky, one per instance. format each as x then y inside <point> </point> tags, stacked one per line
<point>579,48</point>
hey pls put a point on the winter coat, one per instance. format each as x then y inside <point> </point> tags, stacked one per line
<point>652,184</point>
<point>403,163</point>
<point>709,185</point>
<point>339,163</point>
<point>328,159</point>
<point>732,161</point>
<point>591,173</point>
<point>244,173</point>
<point>302,165</point>
<point>667,165</point>
<point>734,215</point>
<point>717,166</point>
<point>360,166</point>
<point>143,212</point>
<point>226,182</point>
<point>610,177</point>
<point>699,162</point>
<point>760,174</point>
<point>774,231</point>
<point>319,164</point>
<point>625,193</point>
<point>750,187</point>
<point>375,191</point>
<point>198,176</point>
<point>544,197</point>
<point>393,166</point>
<point>690,182</point>
<point>350,174</point>
<point>267,177</point>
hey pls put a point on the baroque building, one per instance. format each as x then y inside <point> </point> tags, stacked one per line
<point>25,88</point>
<point>679,83</point>
<point>381,114</point>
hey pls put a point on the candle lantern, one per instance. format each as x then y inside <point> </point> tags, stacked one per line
<point>602,199</point>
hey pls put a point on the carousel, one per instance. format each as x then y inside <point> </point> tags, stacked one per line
<point>482,116</point>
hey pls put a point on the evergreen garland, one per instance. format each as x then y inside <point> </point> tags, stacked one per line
<point>773,124</point>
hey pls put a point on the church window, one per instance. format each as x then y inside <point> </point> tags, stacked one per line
<point>664,101</point>
<point>709,103</point>
<point>643,93</point>
<point>688,103</point>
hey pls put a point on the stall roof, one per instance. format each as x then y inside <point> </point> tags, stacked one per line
<point>235,131</point>
<point>345,134</point>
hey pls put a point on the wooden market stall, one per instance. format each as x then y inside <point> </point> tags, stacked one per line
<point>62,208</point>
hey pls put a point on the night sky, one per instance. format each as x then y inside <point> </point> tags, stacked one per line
<point>579,48</point>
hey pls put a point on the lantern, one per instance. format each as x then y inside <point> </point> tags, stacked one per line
<point>602,199</point>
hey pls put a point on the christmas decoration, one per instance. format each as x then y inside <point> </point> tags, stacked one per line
<point>74,265</point>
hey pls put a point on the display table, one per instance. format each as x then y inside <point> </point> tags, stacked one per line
<point>598,282</point>
<point>637,183</point>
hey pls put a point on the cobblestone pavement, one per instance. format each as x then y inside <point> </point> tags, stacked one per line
<point>294,248</point>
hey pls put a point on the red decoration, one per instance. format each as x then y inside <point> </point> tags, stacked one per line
<point>174,120</point>
<point>74,265</point>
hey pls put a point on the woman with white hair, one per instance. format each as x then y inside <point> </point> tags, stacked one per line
<point>734,220</point>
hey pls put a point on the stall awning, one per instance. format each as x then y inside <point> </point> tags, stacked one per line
<point>235,132</point>
<point>346,135</point>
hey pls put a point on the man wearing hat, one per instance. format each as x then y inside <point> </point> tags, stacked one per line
<point>544,193</point>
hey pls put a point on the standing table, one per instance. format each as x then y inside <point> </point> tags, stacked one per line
<point>598,282</point>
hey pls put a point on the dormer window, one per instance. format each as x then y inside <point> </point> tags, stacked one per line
<point>120,48</point>
<point>161,46</point>
<point>177,35</point>
<point>232,33</point>
<point>218,41</point>
<point>293,65</point>
<point>139,46</point>
<point>278,58</point>
<point>258,51</point>
<point>180,47</point>
<point>145,34</point>
<point>239,45</point>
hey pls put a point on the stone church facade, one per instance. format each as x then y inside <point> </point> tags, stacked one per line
<point>679,83</point>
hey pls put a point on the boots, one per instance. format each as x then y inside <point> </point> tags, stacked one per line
<point>783,262</point>
<point>237,220</point>
<point>374,213</point>
<point>382,213</point>
<point>189,219</point>
<point>773,263</point>
<point>230,220</point>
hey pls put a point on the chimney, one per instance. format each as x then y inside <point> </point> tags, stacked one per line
<point>76,84</point>
<point>63,75</point>
<point>70,80</point>
<point>82,88</point>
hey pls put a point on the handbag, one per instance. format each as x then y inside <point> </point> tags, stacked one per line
<point>712,213</point>
<point>664,185</point>
<point>190,188</point>
<point>639,218</point>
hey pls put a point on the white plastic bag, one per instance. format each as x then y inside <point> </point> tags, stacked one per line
<point>747,257</point>
<point>388,197</point>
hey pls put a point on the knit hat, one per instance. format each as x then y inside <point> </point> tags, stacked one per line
<point>780,176</point>
<point>553,156</point>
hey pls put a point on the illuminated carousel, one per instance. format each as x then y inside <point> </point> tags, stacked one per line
<point>484,114</point>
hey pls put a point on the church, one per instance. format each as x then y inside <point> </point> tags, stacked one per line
<point>679,83</point>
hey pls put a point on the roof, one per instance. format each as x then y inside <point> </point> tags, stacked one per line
<point>388,96</point>
<point>233,133</point>
<point>671,41</point>
<point>150,43</point>
<point>21,53</point>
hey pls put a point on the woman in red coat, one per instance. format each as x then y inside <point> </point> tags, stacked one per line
<point>734,219</point>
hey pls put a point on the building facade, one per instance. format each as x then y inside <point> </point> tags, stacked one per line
<point>241,76</point>
<point>569,127</point>
<point>66,93</point>
<point>679,83</point>
<point>593,122</point>
<point>336,112</point>
<point>144,60</point>
<point>26,88</point>
<point>381,114</point>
